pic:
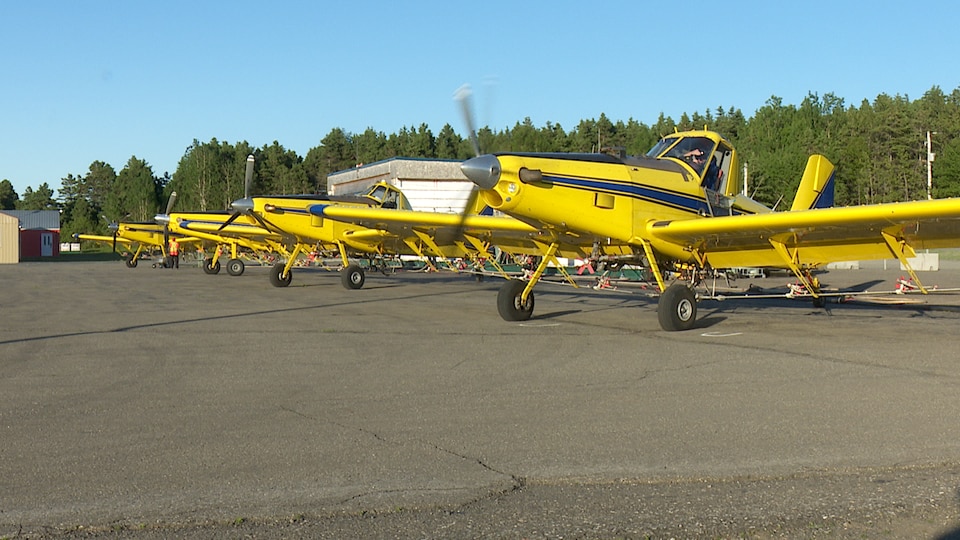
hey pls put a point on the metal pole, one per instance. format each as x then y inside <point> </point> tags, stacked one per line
<point>746,192</point>
<point>930,157</point>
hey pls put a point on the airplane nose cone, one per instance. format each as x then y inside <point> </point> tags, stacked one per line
<point>162,219</point>
<point>242,205</point>
<point>484,171</point>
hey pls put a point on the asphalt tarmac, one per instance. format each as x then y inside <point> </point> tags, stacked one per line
<point>153,403</point>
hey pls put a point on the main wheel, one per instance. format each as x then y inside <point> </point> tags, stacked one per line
<point>509,304</point>
<point>235,267</point>
<point>211,266</point>
<point>677,308</point>
<point>130,261</point>
<point>352,276</point>
<point>277,279</point>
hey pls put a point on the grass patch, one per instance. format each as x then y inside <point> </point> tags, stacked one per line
<point>74,256</point>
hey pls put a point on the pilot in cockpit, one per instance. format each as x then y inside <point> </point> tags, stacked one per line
<point>696,158</point>
<point>390,201</point>
<point>711,180</point>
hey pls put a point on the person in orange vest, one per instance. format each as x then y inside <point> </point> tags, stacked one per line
<point>174,252</point>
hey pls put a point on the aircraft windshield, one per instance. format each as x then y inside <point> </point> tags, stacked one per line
<point>378,193</point>
<point>694,151</point>
<point>660,147</point>
<point>388,197</point>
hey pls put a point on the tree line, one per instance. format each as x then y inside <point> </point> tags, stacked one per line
<point>879,147</point>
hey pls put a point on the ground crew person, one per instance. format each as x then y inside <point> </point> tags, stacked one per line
<point>174,252</point>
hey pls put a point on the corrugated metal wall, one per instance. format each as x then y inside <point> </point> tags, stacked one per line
<point>429,185</point>
<point>9,239</point>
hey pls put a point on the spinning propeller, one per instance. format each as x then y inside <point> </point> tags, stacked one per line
<point>115,227</point>
<point>462,96</point>
<point>245,205</point>
<point>166,224</point>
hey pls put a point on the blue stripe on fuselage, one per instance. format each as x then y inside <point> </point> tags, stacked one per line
<point>186,224</point>
<point>283,209</point>
<point>671,199</point>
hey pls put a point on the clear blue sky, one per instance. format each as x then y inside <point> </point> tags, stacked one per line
<point>107,80</point>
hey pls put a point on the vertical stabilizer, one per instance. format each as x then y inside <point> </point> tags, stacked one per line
<point>816,186</point>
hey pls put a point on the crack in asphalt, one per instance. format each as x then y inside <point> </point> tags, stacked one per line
<point>517,481</point>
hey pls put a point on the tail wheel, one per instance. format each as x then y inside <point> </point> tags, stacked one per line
<point>235,267</point>
<point>352,276</point>
<point>510,306</point>
<point>677,308</point>
<point>211,266</point>
<point>277,279</point>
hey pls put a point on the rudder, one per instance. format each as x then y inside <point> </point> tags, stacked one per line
<point>817,185</point>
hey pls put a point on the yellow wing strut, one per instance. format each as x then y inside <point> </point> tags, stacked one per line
<point>897,248</point>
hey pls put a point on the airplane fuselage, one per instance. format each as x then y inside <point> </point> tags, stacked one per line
<point>606,199</point>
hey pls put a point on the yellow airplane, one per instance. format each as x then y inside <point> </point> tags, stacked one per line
<point>472,235</point>
<point>242,234</point>
<point>380,222</point>
<point>285,222</point>
<point>213,230</point>
<point>680,205</point>
<point>140,237</point>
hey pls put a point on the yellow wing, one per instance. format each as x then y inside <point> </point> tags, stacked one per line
<point>449,233</point>
<point>213,224</point>
<point>398,220</point>
<point>102,239</point>
<point>813,237</point>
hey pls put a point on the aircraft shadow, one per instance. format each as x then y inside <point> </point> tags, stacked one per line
<point>194,320</point>
<point>555,314</point>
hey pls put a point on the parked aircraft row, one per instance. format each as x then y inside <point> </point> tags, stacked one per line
<point>678,206</point>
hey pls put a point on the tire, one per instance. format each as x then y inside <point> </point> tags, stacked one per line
<point>277,279</point>
<point>677,308</point>
<point>130,262</point>
<point>211,266</point>
<point>235,267</point>
<point>508,301</point>
<point>352,277</point>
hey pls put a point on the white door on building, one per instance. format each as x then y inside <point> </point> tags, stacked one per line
<point>46,244</point>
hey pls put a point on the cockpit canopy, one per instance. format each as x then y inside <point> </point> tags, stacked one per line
<point>711,158</point>
<point>387,196</point>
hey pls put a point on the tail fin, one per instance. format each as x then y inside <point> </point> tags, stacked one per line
<point>816,186</point>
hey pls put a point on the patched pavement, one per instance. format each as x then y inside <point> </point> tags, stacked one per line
<point>152,402</point>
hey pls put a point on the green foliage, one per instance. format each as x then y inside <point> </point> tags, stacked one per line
<point>8,196</point>
<point>879,149</point>
<point>79,216</point>
<point>41,199</point>
<point>135,193</point>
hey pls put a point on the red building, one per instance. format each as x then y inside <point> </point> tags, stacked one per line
<point>39,233</point>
